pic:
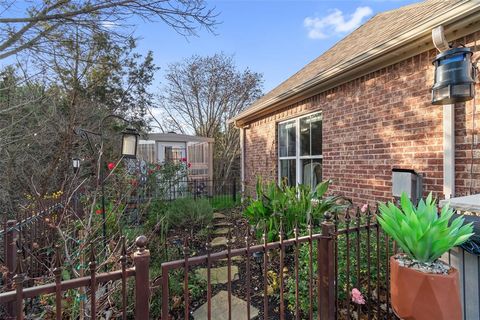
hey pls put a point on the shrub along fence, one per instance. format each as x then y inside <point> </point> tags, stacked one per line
<point>91,287</point>
<point>220,193</point>
<point>31,233</point>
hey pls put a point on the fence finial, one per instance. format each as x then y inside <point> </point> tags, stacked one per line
<point>186,250</point>
<point>327,216</point>
<point>141,243</point>
<point>229,238</point>
<point>124,246</point>
<point>58,262</point>
<point>92,263</point>
<point>369,213</point>
<point>19,266</point>
<point>280,233</point>
<point>347,216</point>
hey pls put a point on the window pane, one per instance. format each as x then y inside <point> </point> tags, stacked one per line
<point>286,139</point>
<point>305,136</point>
<point>291,139</point>
<point>282,140</point>
<point>288,171</point>
<point>311,172</point>
<point>316,134</point>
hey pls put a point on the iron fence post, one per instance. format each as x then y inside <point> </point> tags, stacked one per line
<point>327,269</point>
<point>195,189</point>
<point>10,240</point>
<point>10,244</point>
<point>234,190</point>
<point>141,259</point>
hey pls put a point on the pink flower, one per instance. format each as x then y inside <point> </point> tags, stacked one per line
<point>111,166</point>
<point>357,296</point>
<point>189,164</point>
<point>364,208</point>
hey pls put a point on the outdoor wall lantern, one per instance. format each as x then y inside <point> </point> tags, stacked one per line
<point>76,165</point>
<point>454,76</point>
<point>129,143</point>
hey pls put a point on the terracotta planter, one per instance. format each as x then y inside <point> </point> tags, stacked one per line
<point>423,296</point>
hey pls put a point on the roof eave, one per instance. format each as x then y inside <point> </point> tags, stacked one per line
<point>460,21</point>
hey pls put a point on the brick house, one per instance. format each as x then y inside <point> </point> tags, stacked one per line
<point>364,108</point>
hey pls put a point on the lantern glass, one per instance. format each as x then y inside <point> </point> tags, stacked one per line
<point>76,164</point>
<point>454,77</point>
<point>129,143</point>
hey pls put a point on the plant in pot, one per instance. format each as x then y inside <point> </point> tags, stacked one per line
<point>421,285</point>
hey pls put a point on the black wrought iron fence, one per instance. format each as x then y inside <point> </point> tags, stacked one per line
<point>220,193</point>
<point>309,276</point>
<point>31,233</point>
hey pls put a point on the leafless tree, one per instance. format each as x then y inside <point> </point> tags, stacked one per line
<point>40,25</point>
<point>201,94</point>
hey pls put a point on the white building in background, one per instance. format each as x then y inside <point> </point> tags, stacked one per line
<point>163,147</point>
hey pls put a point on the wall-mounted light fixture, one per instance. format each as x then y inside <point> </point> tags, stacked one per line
<point>454,76</point>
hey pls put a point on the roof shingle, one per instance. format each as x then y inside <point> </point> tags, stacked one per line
<point>376,31</point>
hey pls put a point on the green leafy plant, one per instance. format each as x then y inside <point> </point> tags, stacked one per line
<point>293,206</point>
<point>421,233</point>
<point>183,213</point>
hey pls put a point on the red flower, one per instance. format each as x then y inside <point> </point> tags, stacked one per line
<point>150,171</point>
<point>189,164</point>
<point>111,165</point>
<point>98,211</point>
<point>184,160</point>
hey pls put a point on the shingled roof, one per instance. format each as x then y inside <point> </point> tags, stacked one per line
<point>380,29</point>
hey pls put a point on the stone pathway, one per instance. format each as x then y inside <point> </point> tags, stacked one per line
<point>219,276</point>
<point>220,308</point>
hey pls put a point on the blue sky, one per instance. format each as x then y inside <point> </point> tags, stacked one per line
<point>273,37</point>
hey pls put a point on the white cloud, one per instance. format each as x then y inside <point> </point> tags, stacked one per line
<point>109,24</point>
<point>335,23</point>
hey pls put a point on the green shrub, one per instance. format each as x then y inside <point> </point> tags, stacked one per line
<point>187,212</point>
<point>183,213</point>
<point>291,205</point>
<point>421,233</point>
<point>225,201</point>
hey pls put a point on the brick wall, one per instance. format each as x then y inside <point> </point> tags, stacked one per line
<point>381,121</point>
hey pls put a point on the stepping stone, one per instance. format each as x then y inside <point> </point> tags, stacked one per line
<point>222,224</point>
<point>218,215</point>
<point>220,308</point>
<point>236,259</point>
<point>218,275</point>
<point>220,241</point>
<point>220,231</point>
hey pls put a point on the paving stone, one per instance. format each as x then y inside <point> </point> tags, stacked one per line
<point>236,259</point>
<point>221,231</point>
<point>218,215</point>
<point>222,224</point>
<point>220,241</point>
<point>218,275</point>
<point>220,308</point>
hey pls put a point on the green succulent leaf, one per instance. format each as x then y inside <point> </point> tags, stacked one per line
<point>422,233</point>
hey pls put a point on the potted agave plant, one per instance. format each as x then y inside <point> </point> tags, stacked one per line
<point>421,285</point>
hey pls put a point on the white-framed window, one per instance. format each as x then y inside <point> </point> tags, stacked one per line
<point>300,150</point>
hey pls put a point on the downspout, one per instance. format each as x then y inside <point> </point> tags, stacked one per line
<point>449,151</point>
<point>242,160</point>
<point>441,43</point>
